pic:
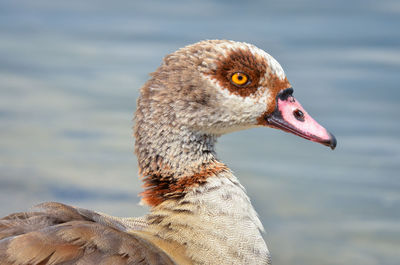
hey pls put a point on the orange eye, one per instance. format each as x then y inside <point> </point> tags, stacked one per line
<point>239,79</point>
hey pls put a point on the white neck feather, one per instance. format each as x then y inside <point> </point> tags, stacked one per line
<point>215,222</point>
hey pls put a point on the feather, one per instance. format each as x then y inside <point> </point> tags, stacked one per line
<point>60,234</point>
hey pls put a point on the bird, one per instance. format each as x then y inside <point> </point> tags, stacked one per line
<point>199,212</point>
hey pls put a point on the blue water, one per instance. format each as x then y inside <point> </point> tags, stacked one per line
<point>69,78</point>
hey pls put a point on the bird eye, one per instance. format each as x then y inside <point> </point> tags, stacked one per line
<point>239,79</point>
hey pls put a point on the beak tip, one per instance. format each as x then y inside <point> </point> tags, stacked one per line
<point>332,142</point>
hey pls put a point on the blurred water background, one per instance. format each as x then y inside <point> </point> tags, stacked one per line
<point>70,72</point>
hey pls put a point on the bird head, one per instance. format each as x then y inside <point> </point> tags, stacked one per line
<point>217,86</point>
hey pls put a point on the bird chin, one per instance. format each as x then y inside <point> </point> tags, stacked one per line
<point>218,131</point>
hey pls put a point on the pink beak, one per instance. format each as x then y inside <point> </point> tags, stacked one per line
<point>290,116</point>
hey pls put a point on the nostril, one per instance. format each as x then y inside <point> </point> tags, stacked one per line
<point>298,114</point>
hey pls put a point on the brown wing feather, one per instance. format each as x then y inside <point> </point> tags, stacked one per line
<point>60,235</point>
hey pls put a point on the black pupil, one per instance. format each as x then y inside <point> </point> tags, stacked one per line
<point>240,77</point>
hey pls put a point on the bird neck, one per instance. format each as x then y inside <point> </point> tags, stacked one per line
<point>172,160</point>
<point>191,193</point>
<point>215,222</point>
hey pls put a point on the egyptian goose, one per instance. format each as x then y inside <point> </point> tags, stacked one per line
<point>200,214</point>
